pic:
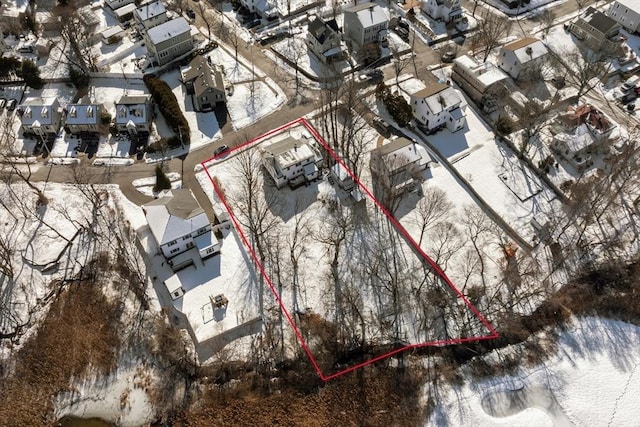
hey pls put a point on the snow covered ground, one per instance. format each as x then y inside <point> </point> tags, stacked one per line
<point>592,379</point>
<point>145,185</point>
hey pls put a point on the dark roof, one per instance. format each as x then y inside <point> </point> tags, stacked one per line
<point>394,145</point>
<point>204,76</point>
<point>599,20</point>
<point>520,43</point>
<point>320,29</point>
<point>181,203</point>
<point>361,6</point>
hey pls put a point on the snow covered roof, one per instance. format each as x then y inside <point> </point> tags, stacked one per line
<point>174,215</point>
<point>439,97</point>
<point>288,152</point>
<point>526,49</point>
<point>38,110</point>
<point>132,108</point>
<point>112,31</point>
<point>83,114</point>
<point>369,14</point>
<point>486,73</point>
<point>150,10</point>
<point>398,153</point>
<point>125,10</point>
<point>633,5</point>
<point>168,30</point>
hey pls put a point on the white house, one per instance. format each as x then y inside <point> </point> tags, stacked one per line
<point>442,10</point>
<point>40,116</point>
<point>117,4</point>
<point>169,40</point>
<point>151,14</point>
<point>342,177</point>
<point>205,83</point>
<point>291,161</point>
<point>518,56</point>
<point>265,8</point>
<point>366,23</point>
<point>396,164</point>
<point>83,117</point>
<point>125,12</point>
<point>133,114</point>
<point>179,224</point>
<point>323,39</point>
<point>626,13</point>
<point>439,105</point>
<point>482,82</point>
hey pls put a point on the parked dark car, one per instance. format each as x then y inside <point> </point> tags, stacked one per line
<point>221,149</point>
<point>3,102</point>
<point>402,32</point>
<point>254,23</point>
<point>249,17</point>
<point>11,105</point>
<point>191,13</point>
<point>449,56</point>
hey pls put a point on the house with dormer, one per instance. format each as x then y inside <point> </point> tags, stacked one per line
<point>437,106</point>
<point>40,117</point>
<point>181,228</point>
<point>521,55</point>
<point>205,84</point>
<point>133,114</point>
<point>83,117</point>
<point>291,161</point>
<point>324,40</point>
<point>442,10</point>
<point>396,165</point>
<point>600,32</point>
<point>150,15</point>
<point>366,23</point>
<point>169,40</point>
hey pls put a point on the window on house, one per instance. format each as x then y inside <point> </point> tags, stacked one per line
<point>173,251</point>
<point>176,294</point>
<point>171,243</point>
<point>185,237</point>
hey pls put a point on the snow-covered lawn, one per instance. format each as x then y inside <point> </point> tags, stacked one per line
<point>145,185</point>
<point>592,379</point>
<point>247,106</point>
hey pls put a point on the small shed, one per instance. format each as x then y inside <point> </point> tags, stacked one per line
<point>113,33</point>
<point>174,286</point>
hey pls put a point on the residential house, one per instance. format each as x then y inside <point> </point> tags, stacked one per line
<point>265,8</point>
<point>344,179</point>
<point>517,57</point>
<point>178,224</point>
<point>291,161</point>
<point>125,12</point>
<point>133,114</point>
<point>83,117</point>
<point>439,105</point>
<point>483,82</point>
<point>626,13</point>
<point>323,39</point>
<point>117,4</point>
<point>600,32</point>
<point>396,165</point>
<point>112,34</point>
<point>169,40</point>
<point>41,117</point>
<point>205,84</point>
<point>150,15</point>
<point>366,23</point>
<point>580,134</point>
<point>442,10</point>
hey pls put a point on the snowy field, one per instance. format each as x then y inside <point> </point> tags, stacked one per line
<point>591,380</point>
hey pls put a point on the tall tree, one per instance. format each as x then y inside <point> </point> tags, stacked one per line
<point>491,29</point>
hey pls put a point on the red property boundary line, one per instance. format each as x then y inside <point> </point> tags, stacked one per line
<point>302,121</point>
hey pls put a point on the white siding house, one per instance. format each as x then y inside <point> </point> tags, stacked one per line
<point>179,224</point>
<point>626,13</point>
<point>40,116</point>
<point>291,161</point>
<point>133,114</point>
<point>366,23</point>
<point>83,117</point>
<point>520,55</point>
<point>396,164</point>
<point>169,40</point>
<point>437,106</point>
<point>151,14</point>
<point>443,10</point>
<point>116,4</point>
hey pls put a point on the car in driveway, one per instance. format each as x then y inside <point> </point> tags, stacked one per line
<point>11,104</point>
<point>220,150</point>
<point>3,102</point>
<point>191,13</point>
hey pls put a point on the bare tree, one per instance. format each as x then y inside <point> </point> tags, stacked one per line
<point>491,29</point>
<point>75,27</point>
<point>432,207</point>
<point>584,69</point>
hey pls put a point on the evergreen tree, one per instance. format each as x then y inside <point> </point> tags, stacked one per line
<point>162,181</point>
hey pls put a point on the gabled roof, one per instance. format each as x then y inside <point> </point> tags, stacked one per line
<point>150,10</point>
<point>83,114</point>
<point>204,76</point>
<point>168,30</point>
<point>439,97</point>
<point>397,154</point>
<point>527,49</point>
<point>321,30</point>
<point>38,110</point>
<point>288,152</point>
<point>133,100</point>
<point>598,20</point>
<point>430,90</point>
<point>132,108</point>
<point>369,14</point>
<point>174,215</point>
